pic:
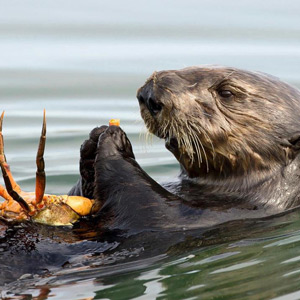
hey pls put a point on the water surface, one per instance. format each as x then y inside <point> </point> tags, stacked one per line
<point>83,61</point>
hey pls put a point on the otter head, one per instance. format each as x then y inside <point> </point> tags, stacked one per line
<point>222,122</point>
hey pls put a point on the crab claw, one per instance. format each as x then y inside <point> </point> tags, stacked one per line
<point>40,181</point>
<point>37,206</point>
<point>12,187</point>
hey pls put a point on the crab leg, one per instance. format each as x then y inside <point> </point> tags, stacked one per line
<point>3,158</point>
<point>40,181</point>
<point>4,194</point>
<point>12,192</point>
<point>3,191</point>
<point>12,187</point>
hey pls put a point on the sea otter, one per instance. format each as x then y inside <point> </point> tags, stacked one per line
<point>236,135</point>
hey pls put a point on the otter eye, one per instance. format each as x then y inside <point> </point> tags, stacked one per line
<point>225,93</point>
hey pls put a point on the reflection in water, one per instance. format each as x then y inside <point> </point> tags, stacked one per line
<point>238,254</point>
<point>83,62</point>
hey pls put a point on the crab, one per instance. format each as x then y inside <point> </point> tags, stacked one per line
<point>20,206</point>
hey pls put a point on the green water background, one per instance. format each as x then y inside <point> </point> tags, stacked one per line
<point>83,61</point>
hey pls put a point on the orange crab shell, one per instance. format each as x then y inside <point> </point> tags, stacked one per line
<point>63,209</point>
<point>53,210</point>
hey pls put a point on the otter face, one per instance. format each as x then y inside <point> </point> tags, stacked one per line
<point>221,121</point>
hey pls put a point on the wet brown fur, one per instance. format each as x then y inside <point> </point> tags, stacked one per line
<point>237,142</point>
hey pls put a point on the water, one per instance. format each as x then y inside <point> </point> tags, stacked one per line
<point>83,61</point>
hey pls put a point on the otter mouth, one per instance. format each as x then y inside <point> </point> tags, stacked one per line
<point>171,143</point>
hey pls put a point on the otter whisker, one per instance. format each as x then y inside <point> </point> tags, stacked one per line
<point>211,143</point>
<point>190,149</point>
<point>206,114</point>
<point>196,143</point>
<point>192,85</point>
<point>149,138</point>
<point>203,149</point>
<point>198,151</point>
<point>165,128</point>
<point>183,134</point>
<point>142,135</point>
<point>203,131</point>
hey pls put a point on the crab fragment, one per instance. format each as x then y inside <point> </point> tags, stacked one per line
<point>12,187</point>
<point>40,181</point>
<point>40,207</point>
<point>81,205</point>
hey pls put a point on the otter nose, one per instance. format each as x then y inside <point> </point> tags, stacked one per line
<point>146,96</point>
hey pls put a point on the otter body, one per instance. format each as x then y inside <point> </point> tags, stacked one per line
<point>236,135</point>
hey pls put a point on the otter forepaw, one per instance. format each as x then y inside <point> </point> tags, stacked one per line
<point>114,142</point>
<point>87,159</point>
